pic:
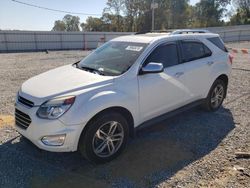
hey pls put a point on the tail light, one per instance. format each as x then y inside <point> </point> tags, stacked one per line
<point>231,57</point>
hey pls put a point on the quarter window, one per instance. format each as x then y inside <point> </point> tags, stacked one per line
<point>192,50</point>
<point>166,54</point>
<point>218,42</point>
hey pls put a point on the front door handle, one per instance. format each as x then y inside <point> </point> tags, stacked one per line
<point>210,63</point>
<point>178,74</point>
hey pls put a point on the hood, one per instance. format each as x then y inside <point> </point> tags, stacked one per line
<point>61,81</point>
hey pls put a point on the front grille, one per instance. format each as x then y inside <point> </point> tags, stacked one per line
<point>25,101</point>
<point>22,120</point>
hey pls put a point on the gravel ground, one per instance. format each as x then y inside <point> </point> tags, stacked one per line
<point>193,149</point>
<point>239,45</point>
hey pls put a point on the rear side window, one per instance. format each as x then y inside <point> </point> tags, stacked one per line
<point>192,50</point>
<point>217,42</point>
<point>166,54</point>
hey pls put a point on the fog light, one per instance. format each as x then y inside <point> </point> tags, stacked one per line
<point>55,140</point>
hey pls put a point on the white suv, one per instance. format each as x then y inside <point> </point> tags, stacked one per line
<point>96,104</point>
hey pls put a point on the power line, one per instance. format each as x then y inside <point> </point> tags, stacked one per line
<point>55,10</point>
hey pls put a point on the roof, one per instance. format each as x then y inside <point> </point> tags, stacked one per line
<point>149,37</point>
<point>134,38</point>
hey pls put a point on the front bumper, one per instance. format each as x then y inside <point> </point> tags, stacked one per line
<point>39,128</point>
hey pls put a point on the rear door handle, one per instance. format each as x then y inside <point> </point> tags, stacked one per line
<point>210,63</point>
<point>178,74</point>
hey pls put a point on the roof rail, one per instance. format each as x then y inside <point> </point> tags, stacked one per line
<point>186,31</point>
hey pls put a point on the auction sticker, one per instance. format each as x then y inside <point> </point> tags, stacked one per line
<point>134,48</point>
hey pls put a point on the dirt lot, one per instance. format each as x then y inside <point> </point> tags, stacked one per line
<point>193,149</point>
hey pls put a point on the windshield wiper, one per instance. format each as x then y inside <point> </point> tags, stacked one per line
<point>76,64</point>
<point>90,69</point>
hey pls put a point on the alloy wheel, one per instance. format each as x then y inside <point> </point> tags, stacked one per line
<point>217,96</point>
<point>108,139</point>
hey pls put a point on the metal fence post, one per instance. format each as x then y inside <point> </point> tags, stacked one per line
<point>5,42</point>
<point>35,38</point>
<point>240,35</point>
<point>104,36</point>
<point>225,38</point>
<point>61,42</point>
<point>224,35</point>
<point>84,41</point>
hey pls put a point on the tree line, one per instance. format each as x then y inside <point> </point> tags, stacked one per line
<point>136,15</point>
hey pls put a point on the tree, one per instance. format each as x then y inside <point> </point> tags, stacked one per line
<point>244,5</point>
<point>242,15</point>
<point>83,25</point>
<point>130,12</point>
<point>115,7</point>
<point>69,23</point>
<point>110,22</point>
<point>134,10</point>
<point>136,15</point>
<point>59,26</point>
<point>210,12</point>
<point>172,14</point>
<point>93,24</point>
<point>72,22</point>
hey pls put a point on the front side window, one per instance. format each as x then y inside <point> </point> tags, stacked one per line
<point>192,50</point>
<point>166,54</point>
<point>113,58</point>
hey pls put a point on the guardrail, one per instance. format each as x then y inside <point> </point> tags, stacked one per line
<point>21,41</point>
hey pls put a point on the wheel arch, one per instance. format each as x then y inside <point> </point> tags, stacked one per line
<point>123,111</point>
<point>224,78</point>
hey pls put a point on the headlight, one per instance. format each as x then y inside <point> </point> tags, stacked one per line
<point>55,108</point>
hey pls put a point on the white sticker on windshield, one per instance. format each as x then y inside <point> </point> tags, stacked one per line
<point>134,48</point>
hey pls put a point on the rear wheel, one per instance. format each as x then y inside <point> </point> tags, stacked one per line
<point>215,96</point>
<point>105,138</point>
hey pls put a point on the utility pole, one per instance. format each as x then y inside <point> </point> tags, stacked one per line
<point>153,7</point>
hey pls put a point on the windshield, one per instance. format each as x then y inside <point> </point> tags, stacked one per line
<point>113,58</point>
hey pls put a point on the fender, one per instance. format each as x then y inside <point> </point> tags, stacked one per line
<point>216,76</point>
<point>88,105</point>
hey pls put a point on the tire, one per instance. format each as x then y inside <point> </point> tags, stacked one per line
<point>211,104</point>
<point>100,143</point>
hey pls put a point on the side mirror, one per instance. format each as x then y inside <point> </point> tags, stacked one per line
<point>152,67</point>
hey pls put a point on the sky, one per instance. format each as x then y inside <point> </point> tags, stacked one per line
<point>21,17</point>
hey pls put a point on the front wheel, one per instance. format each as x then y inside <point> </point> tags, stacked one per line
<point>105,138</point>
<point>215,96</point>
